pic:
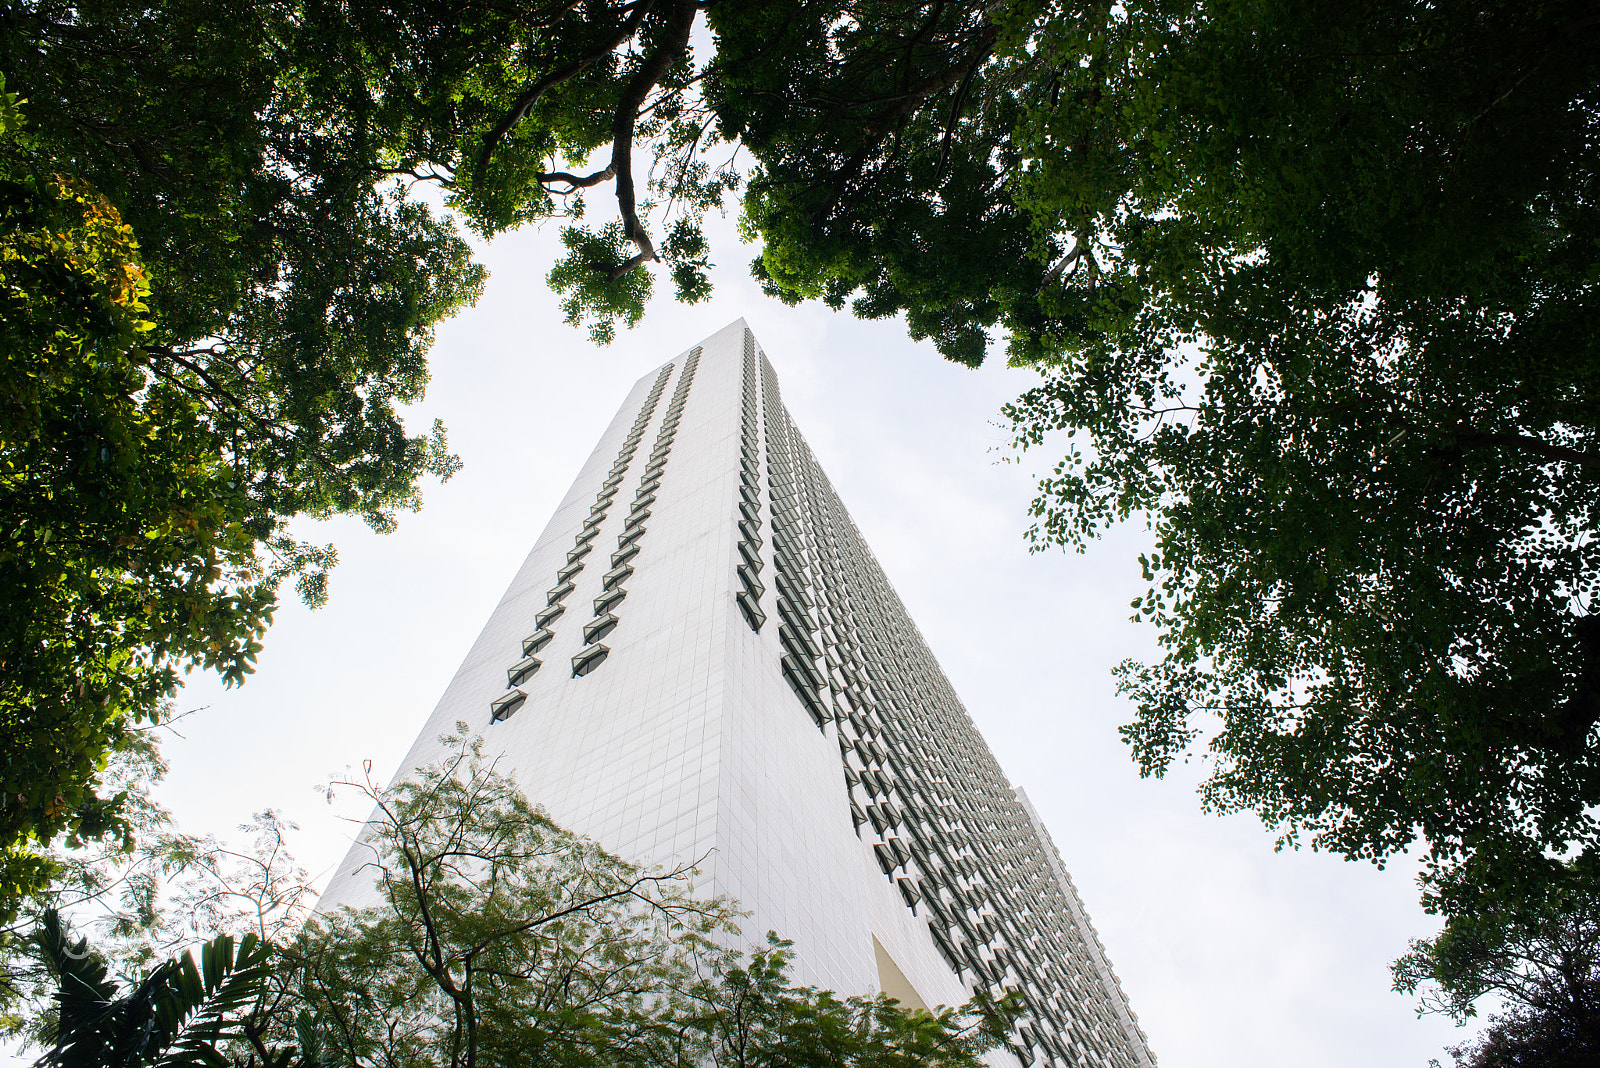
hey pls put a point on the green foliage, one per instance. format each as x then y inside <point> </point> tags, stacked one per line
<point>500,937</point>
<point>171,403</point>
<point>592,295</point>
<point>503,939</point>
<point>750,1014</point>
<point>1542,966</point>
<point>1323,324</point>
<point>177,1016</point>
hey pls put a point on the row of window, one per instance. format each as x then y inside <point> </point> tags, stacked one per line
<point>749,566</point>
<point>919,775</point>
<point>612,590</point>
<point>515,697</point>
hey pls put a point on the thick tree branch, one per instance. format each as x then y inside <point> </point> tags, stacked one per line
<point>674,44</point>
<point>577,182</point>
<point>565,72</point>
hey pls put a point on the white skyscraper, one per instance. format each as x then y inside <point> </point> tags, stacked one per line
<point>701,658</point>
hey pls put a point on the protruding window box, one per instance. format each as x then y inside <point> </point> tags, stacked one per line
<point>536,641</point>
<point>566,573</point>
<point>622,556</point>
<point>750,531</point>
<point>650,485</point>
<point>637,516</point>
<point>560,592</point>
<point>613,480</point>
<point>750,494</point>
<point>503,706</point>
<point>522,671</point>
<point>642,500</point>
<point>578,552</point>
<point>747,576</point>
<point>589,659</point>
<point>753,614</point>
<point>594,630</point>
<point>750,553</point>
<point>750,511</point>
<point>629,537</point>
<point>609,600</point>
<point>549,615</point>
<point>616,576</point>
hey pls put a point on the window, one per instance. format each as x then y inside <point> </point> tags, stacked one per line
<point>522,671</point>
<point>748,576</point>
<point>609,600</point>
<point>536,641</point>
<point>589,659</point>
<point>559,592</point>
<point>616,576</point>
<point>599,628</point>
<point>566,573</point>
<point>753,614</point>
<point>549,615</point>
<point>750,553</point>
<point>503,706</point>
<point>579,552</point>
<point>622,556</point>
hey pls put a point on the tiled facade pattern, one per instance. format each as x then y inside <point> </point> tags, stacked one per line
<point>961,847</point>
<point>765,707</point>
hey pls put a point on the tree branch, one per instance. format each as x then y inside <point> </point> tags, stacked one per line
<point>564,73</point>
<point>675,42</point>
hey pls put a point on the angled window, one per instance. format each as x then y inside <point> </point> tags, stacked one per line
<point>589,659</point>
<point>629,536</point>
<point>753,614</point>
<point>609,600</point>
<point>637,516</point>
<point>579,552</point>
<point>643,499</point>
<point>502,707</point>
<point>559,592</point>
<point>650,484</point>
<point>616,575</point>
<point>751,555</point>
<point>522,671</point>
<point>596,629</point>
<point>566,573</point>
<point>622,556</point>
<point>536,641</point>
<point>748,576</point>
<point>549,615</point>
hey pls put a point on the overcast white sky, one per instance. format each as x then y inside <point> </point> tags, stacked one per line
<point>1231,954</point>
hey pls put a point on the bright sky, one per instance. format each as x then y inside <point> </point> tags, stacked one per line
<point>1232,955</point>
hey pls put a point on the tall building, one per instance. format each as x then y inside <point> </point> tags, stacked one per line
<point>701,658</point>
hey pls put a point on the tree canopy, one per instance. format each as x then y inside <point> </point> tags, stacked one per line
<point>497,938</point>
<point>1310,286</point>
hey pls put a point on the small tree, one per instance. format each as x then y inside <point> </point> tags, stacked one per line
<point>1543,964</point>
<point>501,937</point>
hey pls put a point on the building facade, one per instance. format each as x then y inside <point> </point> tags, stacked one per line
<point>701,658</point>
